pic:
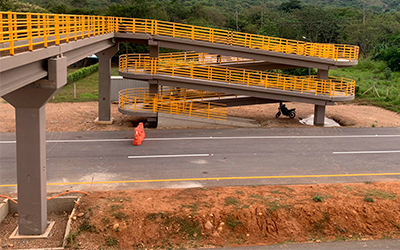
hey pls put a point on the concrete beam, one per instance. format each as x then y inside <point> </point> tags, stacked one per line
<point>19,77</point>
<point>105,83</point>
<point>241,101</point>
<point>92,45</point>
<point>258,65</point>
<point>27,67</point>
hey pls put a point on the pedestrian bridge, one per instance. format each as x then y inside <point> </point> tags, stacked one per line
<point>36,48</point>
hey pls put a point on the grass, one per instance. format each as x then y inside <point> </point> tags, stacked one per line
<point>111,241</point>
<point>120,216</point>
<point>231,201</point>
<point>190,228</point>
<point>320,225</point>
<point>232,222</point>
<point>271,205</point>
<point>116,208</point>
<point>87,89</point>
<point>366,74</point>
<point>379,194</point>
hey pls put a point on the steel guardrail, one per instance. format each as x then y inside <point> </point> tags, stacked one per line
<point>141,100</point>
<point>33,30</point>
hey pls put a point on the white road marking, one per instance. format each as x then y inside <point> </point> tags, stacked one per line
<point>167,156</point>
<point>367,152</point>
<point>220,138</point>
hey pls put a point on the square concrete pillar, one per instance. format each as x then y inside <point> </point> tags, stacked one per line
<point>153,86</point>
<point>30,121</point>
<point>31,156</point>
<point>319,115</point>
<point>154,49</point>
<point>105,84</point>
<point>323,74</point>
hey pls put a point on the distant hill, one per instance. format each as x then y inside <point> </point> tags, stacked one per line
<point>376,6</point>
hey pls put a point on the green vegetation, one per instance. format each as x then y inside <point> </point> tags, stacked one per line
<point>233,222</point>
<point>231,201</point>
<point>376,193</point>
<point>369,73</point>
<point>82,73</point>
<point>86,89</point>
<point>116,208</point>
<point>317,198</point>
<point>368,199</point>
<point>111,241</point>
<point>320,225</point>
<point>120,216</point>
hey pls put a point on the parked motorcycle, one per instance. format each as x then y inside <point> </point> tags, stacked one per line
<point>285,111</point>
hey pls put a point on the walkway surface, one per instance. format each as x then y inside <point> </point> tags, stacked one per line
<point>219,157</point>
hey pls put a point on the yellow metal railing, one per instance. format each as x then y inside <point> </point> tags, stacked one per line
<point>335,86</point>
<point>44,29</point>
<point>176,93</point>
<point>141,100</point>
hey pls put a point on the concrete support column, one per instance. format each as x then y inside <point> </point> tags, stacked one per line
<point>319,110</point>
<point>105,84</point>
<point>154,48</point>
<point>319,115</point>
<point>323,74</point>
<point>29,106</point>
<point>153,86</point>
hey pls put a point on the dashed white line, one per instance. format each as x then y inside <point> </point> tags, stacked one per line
<point>367,152</point>
<point>167,156</point>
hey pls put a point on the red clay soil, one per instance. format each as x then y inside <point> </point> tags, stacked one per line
<point>237,216</point>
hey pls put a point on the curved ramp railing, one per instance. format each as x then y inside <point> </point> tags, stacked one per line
<point>37,29</point>
<point>333,87</point>
<point>137,100</point>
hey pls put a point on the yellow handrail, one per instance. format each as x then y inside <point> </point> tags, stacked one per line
<point>141,100</point>
<point>332,87</point>
<point>41,29</point>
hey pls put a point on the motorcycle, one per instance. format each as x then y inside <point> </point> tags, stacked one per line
<point>285,111</point>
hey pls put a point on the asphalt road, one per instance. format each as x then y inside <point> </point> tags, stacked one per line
<point>353,245</point>
<point>195,158</point>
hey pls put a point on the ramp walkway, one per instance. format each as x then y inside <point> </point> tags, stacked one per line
<point>198,71</point>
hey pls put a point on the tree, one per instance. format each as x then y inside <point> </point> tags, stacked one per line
<point>290,6</point>
<point>317,24</point>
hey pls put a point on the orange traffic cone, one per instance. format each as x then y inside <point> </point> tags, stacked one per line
<point>139,135</point>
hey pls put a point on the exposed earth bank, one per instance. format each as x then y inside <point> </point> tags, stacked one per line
<point>233,216</point>
<point>81,116</point>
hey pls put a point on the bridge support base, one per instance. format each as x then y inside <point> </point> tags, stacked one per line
<point>319,115</point>
<point>29,103</point>
<point>105,84</point>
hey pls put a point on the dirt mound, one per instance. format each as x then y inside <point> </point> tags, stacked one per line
<point>232,216</point>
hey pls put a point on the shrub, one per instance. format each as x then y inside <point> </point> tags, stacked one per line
<point>82,73</point>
